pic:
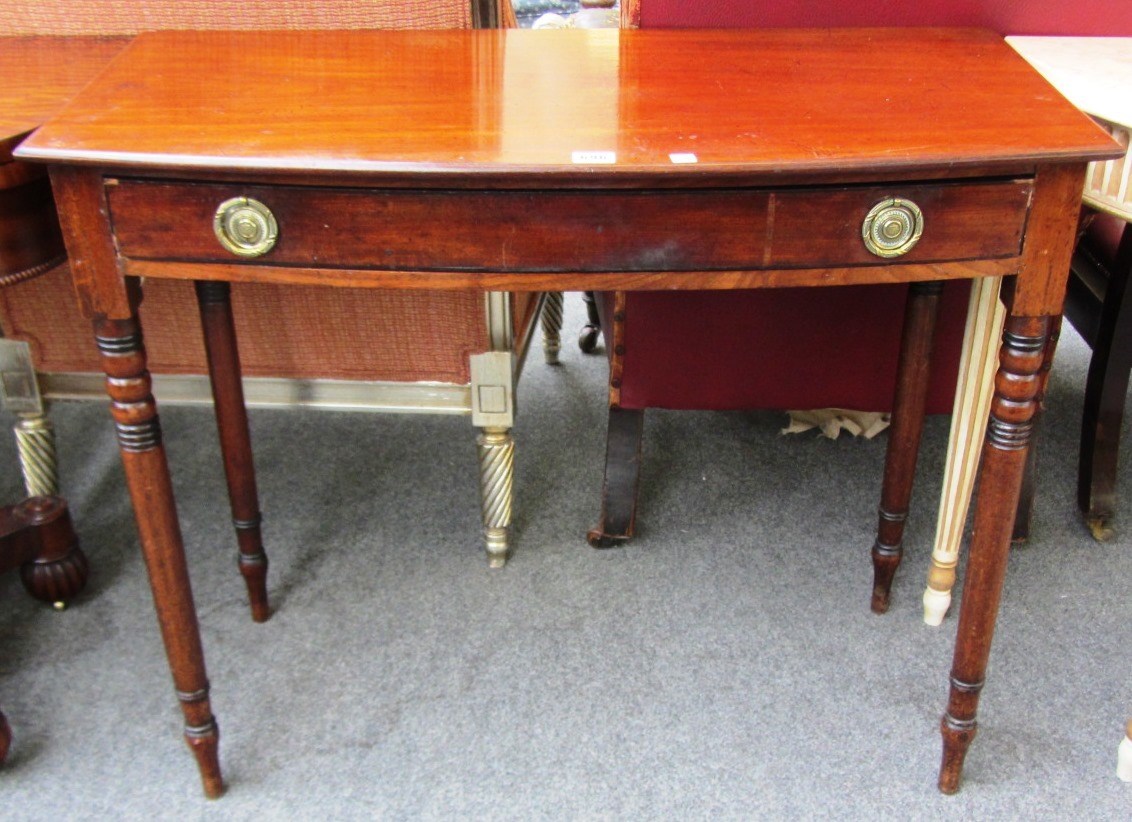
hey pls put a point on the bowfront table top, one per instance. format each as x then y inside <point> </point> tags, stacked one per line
<point>673,159</point>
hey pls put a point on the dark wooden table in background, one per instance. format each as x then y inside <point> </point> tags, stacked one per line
<point>37,76</point>
<point>674,160</point>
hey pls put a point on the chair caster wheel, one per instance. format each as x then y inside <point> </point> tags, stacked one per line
<point>587,340</point>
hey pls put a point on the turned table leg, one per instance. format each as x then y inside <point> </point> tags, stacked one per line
<point>215,303</point>
<point>1004,454</point>
<point>977,366</point>
<point>497,466</point>
<point>151,492</point>
<point>904,436</point>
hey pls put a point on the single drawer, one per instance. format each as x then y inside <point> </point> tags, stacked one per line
<point>458,230</point>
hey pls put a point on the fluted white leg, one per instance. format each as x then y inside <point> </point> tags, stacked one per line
<point>978,364</point>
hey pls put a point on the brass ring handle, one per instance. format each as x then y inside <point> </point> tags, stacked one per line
<point>892,227</point>
<point>246,227</point>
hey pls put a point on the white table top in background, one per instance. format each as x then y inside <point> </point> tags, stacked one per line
<point>1094,73</point>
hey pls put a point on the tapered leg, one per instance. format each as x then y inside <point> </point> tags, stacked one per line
<point>147,477</point>
<point>497,465</point>
<point>215,303</point>
<point>622,478</point>
<point>904,436</point>
<point>1106,389</point>
<point>978,363</point>
<point>552,326</point>
<point>1004,454</point>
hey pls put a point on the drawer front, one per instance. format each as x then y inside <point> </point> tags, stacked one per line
<point>727,229</point>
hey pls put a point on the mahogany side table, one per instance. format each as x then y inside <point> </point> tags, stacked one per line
<point>731,159</point>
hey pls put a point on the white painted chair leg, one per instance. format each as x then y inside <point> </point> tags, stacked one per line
<point>1124,755</point>
<point>978,363</point>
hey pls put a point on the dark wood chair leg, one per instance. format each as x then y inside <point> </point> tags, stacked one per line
<point>587,338</point>
<point>151,492</point>
<point>215,303</point>
<point>1105,391</point>
<point>904,436</point>
<point>622,478</point>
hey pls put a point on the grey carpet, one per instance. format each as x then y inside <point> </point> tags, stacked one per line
<point>723,665</point>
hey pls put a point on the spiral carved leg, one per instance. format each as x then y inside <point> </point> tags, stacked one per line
<point>552,326</point>
<point>147,477</point>
<point>35,439</point>
<point>904,437</point>
<point>1004,454</point>
<point>497,463</point>
<point>214,299</point>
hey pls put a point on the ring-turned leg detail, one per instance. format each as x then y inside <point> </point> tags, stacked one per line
<point>151,492</point>
<point>1004,454</point>
<point>552,326</point>
<point>904,437</point>
<point>35,439</point>
<point>497,465</point>
<point>214,299</point>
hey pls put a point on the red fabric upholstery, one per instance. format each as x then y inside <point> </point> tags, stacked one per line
<point>779,348</point>
<point>1085,17</point>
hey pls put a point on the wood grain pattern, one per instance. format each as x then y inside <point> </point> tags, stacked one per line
<point>424,103</point>
<point>607,231</point>
<point>40,74</point>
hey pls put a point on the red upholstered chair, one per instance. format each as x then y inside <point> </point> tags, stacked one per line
<point>790,349</point>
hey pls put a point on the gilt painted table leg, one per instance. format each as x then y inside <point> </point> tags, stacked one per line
<point>552,326</point>
<point>147,478</point>
<point>904,437</point>
<point>977,365</point>
<point>215,303</point>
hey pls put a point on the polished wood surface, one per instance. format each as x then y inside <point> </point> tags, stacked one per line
<point>39,74</point>
<point>813,118</point>
<point>437,103</point>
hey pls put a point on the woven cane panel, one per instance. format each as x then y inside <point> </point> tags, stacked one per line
<point>357,334</point>
<point>76,17</point>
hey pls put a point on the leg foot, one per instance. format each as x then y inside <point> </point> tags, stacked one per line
<point>204,742</point>
<point>1123,755</point>
<point>58,571</point>
<point>622,478</point>
<point>957,737</point>
<point>587,339</point>
<point>497,464</point>
<point>1101,528</point>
